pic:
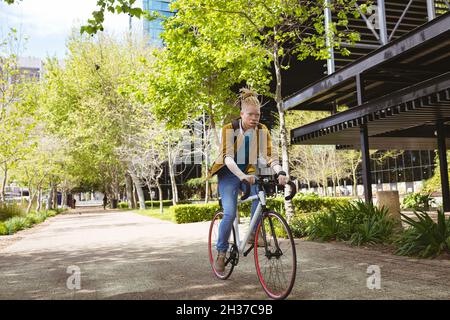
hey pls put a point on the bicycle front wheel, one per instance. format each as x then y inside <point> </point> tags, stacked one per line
<point>276,262</point>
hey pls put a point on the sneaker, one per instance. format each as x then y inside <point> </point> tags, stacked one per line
<point>251,239</point>
<point>219,265</point>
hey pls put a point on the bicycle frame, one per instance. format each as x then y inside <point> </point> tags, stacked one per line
<point>262,202</point>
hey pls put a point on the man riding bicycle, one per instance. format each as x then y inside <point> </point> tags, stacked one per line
<point>243,142</point>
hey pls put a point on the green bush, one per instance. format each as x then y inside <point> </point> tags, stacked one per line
<point>323,226</point>
<point>3,229</point>
<point>123,205</point>
<point>358,223</point>
<point>9,210</point>
<point>418,201</point>
<point>299,224</point>
<point>313,202</point>
<point>187,213</point>
<point>16,224</point>
<point>302,204</point>
<point>36,217</point>
<point>425,238</point>
<point>166,203</point>
<point>375,229</point>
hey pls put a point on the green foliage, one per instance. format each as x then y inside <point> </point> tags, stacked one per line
<point>313,202</point>
<point>418,201</point>
<point>187,213</point>
<point>196,182</point>
<point>166,203</point>
<point>35,218</point>
<point>123,205</point>
<point>425,238</point>
<point>358,223</point>
<point>16,224</point>
<point>9,210</point>
<point>3,229</point>
<point>95,23</point>
<point>323,226</point>
<point>299,224</point>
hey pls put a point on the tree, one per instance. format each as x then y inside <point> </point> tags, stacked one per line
<point>17,117</point>
<point>86,108</point>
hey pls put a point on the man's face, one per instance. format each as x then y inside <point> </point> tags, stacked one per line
<point>250,115</point>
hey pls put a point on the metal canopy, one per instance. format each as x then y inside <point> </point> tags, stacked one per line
<point>405,87</point>
<point>418,55</point>
<point>402,120</point>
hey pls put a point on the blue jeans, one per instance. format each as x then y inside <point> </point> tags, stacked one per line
<point>229,186</point>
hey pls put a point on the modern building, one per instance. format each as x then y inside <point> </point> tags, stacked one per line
<point>396,85</point>
<point>153,28</point>
<point>30,67</point>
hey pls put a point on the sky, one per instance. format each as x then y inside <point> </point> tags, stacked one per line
<point>47,23</point>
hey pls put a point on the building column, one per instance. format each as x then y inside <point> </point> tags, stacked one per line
<point>443,165</point>
<point>364,139</point>
<point>382,21</point>
<point>431,10</point>
<point>366,172</point>
<point>329,38</point>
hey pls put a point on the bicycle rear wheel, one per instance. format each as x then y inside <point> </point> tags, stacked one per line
<point>276,262</point>
<point>232,255</point>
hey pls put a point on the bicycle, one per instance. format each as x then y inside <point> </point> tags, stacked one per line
<point>276,262</point>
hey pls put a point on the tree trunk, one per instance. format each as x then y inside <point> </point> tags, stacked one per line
<point>64,198</point>
<point>160,197</point>
<point>355,183</point>
<point>30,202</point>
<point>39,200</point>
<point>129,190</point>
<point>55,197</point>
<point>172,177</point>
<point>149,186</point>
<point>50,198</point>
<point>3,185</point>
<point>140,191</point>
<point>205,147</point>
<point>283,136</point>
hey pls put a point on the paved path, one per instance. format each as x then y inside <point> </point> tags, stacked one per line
<point>123,255</point>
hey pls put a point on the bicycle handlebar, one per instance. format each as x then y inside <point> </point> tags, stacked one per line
<point>248,190</point>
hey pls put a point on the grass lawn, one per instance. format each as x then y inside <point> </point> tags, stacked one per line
<point>167,214</point>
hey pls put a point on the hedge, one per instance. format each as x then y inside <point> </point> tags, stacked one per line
<point>302,204</point>
<point>3,229</point>
<point>187,213</point>
<point>166,203</point>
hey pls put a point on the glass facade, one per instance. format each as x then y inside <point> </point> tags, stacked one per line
<point>154,28</point>
<point>409,166</point>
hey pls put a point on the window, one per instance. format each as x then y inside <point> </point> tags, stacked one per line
<point>407,159</point>
<point>408,175</point>
<point>415,157</point>
<point>386,176</point>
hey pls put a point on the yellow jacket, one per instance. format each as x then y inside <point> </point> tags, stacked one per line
<point>229,147</point>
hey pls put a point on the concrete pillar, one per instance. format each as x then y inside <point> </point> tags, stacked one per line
<point>391,201</point>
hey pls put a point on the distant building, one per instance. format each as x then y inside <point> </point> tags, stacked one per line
<point>30,67</point>
<point>153,29</point>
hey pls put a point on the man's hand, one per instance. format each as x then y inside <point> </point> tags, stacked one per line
<point>250,179</point>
